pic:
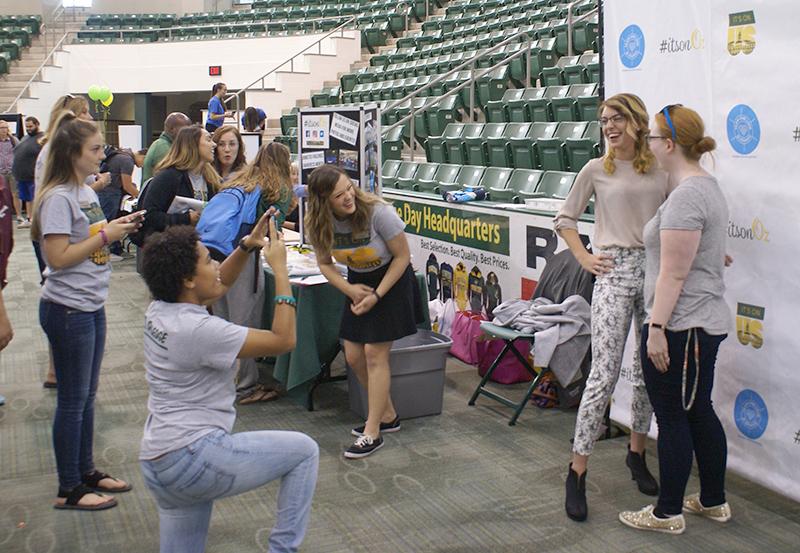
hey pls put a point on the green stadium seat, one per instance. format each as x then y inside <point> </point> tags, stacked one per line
<point>580,150</point>
<point>455,147</point>
<point>406,171</point>
<point>584,34</point>
<point>389,172</point>
<point>496,111</point>
<point>392,143</point>
<point>469,175</point>
<point>555,184</point>
<point>495,178</point>
<point>540,109</point>
<point>441,114</point>
<point>445,172</point>
<point>499,147</point>
<point>476,146</point>
<point>288,121</point>
<point>491,86</point>
<point>566,108</point>
<point>423,178</point>
<point>523,150</point>
<point>516,111</point>
<point>521,184</point>
<point>551,152</point>
<point>435,147</point>
<point>555,76</point>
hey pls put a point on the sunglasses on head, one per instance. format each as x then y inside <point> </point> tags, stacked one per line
<point>66,100</point>
<point>665,111</point>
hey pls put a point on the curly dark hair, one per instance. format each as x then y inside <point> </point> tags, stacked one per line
<point>170,257</point>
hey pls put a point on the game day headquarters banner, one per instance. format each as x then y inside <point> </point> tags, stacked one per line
<point>478,256</point>
<point>730,60</point>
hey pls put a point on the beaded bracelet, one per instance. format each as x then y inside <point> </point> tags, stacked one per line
<point>288,300</point>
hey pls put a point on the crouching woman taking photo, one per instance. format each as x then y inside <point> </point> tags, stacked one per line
<point>189,456</point>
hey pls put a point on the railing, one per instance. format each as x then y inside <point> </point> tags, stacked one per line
<point>36,73</point>
<point>318,43</point>
<point>571,22</point>
<point>470,82</point>
<point>474,77</point>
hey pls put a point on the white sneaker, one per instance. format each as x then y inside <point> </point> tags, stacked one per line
<point>646,520</point>
<point>116,258</point>
<point>26,223</point>
<point>720,513</point>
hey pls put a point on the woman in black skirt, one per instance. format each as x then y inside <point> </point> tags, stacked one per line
<point>363,232</point>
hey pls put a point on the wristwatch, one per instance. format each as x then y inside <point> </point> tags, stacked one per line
<point>244,247</point>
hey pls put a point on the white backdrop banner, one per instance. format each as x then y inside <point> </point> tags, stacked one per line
<point>730,60</point>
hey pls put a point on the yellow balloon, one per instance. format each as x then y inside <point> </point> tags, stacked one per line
<point>107,101</point>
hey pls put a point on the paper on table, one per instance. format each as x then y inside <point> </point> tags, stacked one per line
<point>182,204</point>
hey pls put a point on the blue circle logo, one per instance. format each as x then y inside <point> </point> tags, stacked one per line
<point>744,131</point>
<point>750,414</point>
<point>631,46</point>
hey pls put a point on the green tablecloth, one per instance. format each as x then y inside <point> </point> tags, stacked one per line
<point>319,310</point>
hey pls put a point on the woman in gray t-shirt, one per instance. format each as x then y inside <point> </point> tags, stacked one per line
<point>74,236</point>
<point>687,319</point>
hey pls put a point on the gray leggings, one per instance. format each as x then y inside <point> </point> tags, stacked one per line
<point>618,296</point>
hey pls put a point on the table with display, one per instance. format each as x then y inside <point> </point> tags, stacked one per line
<point>319,310</point>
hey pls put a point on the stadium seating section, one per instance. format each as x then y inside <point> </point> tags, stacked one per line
<point>16,32</point>
<point>523,130</point>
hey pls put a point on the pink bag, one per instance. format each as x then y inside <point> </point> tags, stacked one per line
<point>510,370</point>
<point>465,333</point>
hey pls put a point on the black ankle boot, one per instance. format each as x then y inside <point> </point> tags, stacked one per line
<point>575,503</point>
<point>644,480</point>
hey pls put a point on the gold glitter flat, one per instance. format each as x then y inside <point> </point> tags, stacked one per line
<point>646,520</point>
<point>720,513</point>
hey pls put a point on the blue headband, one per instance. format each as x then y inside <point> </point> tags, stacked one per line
<point>665,111</point>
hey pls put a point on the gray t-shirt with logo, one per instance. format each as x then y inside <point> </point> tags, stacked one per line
<point>696,204</point>
<point>75,211</point>
<point>190,364</point>
<point>367,251</point>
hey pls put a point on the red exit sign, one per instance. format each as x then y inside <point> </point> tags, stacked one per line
<point>214,70</point>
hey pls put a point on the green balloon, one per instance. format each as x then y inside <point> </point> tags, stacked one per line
<point>94,92</point>
<point>103,93</point>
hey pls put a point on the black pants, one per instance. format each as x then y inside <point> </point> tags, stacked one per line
<point>211,128</point>
<point>683,433</point>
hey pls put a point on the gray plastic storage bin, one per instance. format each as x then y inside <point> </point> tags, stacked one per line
<point>417,363</point>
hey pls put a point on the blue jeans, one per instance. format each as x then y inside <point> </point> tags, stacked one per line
<point>77,339</point>
<point>684,434</point>
<point>185,483</point>
<point>109,203</point>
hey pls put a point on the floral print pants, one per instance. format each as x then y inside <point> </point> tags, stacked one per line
<point>618,297</point>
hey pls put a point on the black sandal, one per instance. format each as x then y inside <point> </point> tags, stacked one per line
<point>74,496</point>
<point>92,480</point>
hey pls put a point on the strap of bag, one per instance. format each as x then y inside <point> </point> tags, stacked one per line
<point>691,336</point>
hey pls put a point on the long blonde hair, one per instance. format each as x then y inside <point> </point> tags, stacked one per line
<point>270,170</point>
<point>637,121</point>
<point>319,219</point>
<point>184,155</point>
<point>66,145</point>
<point>69,102</point>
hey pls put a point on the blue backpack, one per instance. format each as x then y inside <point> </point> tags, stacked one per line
<point>228,216</point>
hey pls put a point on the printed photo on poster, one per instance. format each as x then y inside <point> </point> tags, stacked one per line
<point>315,131</point>
<point>344,129</point>
<point>348,160</point>
<point>332,157</point>
<point>371,154</point>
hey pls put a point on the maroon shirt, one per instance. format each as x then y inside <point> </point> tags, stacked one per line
<point>6,228</point>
